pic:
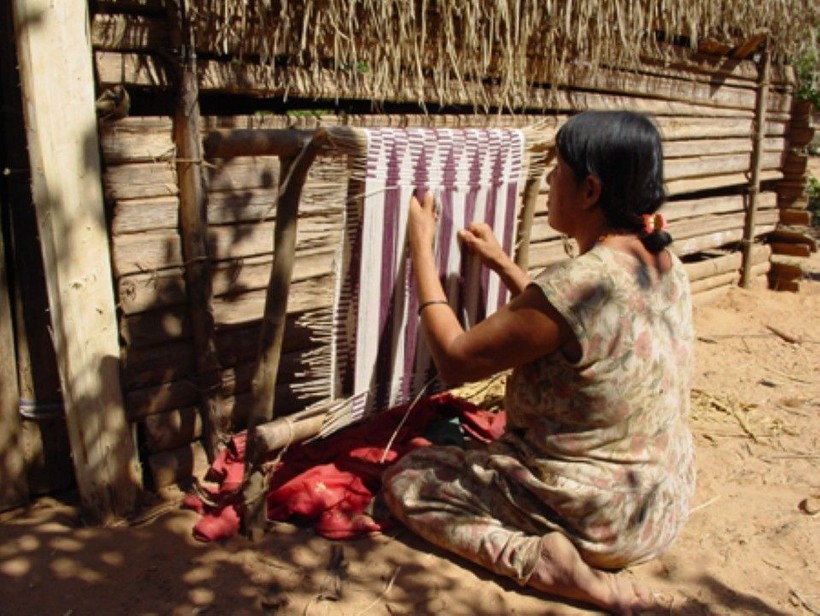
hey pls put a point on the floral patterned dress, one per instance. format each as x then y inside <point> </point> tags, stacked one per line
<point>598,449</point>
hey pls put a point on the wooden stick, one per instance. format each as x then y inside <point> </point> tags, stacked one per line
<point>757,155</point>
<point>530,199</point>
<point>293,172</point>
<point>13,482</point>
<point>783,335</point>
<point>194,228</point>
<point>285,143</point>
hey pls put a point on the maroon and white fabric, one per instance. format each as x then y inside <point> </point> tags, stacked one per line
<point>476,175</point>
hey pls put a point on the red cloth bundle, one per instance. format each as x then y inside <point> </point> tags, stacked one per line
<point>331,482</point>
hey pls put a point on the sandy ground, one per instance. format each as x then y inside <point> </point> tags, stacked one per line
<point>751,546</point>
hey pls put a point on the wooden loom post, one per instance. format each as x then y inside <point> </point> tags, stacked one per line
<point>530,198</point>
<point>757,154</point>
<point>194,230</point>
<point>292,176</point>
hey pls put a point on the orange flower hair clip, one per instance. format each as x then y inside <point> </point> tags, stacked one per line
<point>653,223</point>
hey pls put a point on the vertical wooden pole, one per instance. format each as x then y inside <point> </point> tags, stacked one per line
<point>292,178</point>
<point>193,221</point>
<point>14,489</point>
<point>13,483</point>
<point>54,54</point>
<point>530,197</point>
<point>757,153</point>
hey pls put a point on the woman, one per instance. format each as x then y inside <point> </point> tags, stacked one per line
<point>596,469</point>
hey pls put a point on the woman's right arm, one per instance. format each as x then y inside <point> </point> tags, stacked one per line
<point>480,240</point>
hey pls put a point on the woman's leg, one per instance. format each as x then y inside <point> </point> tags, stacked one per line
<point>457,506</point>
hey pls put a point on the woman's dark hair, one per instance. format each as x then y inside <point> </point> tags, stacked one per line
<point>623,150</point>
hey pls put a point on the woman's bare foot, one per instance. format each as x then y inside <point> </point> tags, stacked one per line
<point>562,572</point>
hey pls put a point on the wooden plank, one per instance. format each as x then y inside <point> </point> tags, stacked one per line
<point>147,214</point>
<point>145,367</point>
<point>715,239</point>
<point>140,181</point>
<point>711,282</point>
<point>709,266</point>
<point>652,86</point>
<point>137,140</point>
<point>158,326</point>
<point>707,146</point>
<point>704,166</point>
<point>161,249</point>
<point>690,208</point>
<point>698,184</point>
<point>238,78</point>
<point>160,288</point>
<point>247,201</point>
<point>123,32</point>
<point>55,56</point>
<point>146,252</point>
<point>712,267</point>
<point>258,204</point>
<point>681,127</point>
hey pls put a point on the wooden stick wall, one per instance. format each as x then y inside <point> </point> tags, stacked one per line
<point>704,108</point>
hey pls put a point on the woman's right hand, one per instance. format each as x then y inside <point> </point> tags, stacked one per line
<point>422,222</point>
<point>480,240</point>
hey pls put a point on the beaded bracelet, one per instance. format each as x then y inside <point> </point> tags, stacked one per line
<point>431,302</point>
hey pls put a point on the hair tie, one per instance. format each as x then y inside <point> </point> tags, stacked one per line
<point>653,223</point>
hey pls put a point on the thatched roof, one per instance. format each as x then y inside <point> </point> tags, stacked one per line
<point>429,49</point>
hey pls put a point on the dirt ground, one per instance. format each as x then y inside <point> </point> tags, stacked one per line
<point>751,546</point>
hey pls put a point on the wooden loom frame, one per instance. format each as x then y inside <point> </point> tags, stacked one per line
<point>297,149</point>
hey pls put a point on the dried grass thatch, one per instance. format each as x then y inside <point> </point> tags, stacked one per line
<point>435,50</point>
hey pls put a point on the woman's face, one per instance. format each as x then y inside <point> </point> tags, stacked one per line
<point>564,202</point>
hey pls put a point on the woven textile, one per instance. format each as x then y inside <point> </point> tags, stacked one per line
<point>476,175</point>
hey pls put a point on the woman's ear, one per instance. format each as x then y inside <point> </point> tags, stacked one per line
<point>591,191</point>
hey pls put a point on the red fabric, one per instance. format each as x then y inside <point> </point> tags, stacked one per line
<point>331,482</point>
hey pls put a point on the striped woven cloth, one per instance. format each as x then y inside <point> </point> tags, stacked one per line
<point>476,175</point>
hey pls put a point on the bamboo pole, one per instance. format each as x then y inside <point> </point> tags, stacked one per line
<point>764,68</point>
<point>194,229</point>
<point>56,76</point>
<point>293,171</point>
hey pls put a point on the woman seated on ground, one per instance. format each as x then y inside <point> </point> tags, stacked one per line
<point>595,471</point>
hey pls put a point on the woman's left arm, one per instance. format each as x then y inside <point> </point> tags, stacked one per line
<point>523,330</point>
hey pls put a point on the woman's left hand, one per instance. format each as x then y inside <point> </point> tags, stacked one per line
<point>422,222</point>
